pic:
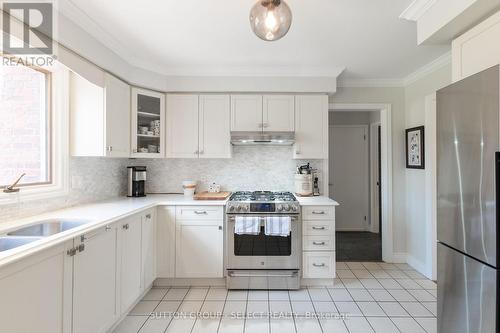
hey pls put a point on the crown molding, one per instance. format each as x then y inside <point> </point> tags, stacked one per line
<point>416,9</point>
<point>420,73</point>
<point>431,67</point>
<point>372,83</point>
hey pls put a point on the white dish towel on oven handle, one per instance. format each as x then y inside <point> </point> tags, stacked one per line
<point>247,225</point>
<point>277,226</point>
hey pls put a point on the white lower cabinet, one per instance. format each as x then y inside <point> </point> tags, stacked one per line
<point>36,292</point>
<point>148,244</point>
<point>131,260</point>
<point>165,246</point>
<point>199,243</point>
<point>318,242</point>
<point>94,281</point>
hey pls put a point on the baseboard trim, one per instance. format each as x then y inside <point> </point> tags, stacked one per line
<point>352,229</point>
<point>418,265</point>
<point>317,282</point>
<point>179,282</point>
<point>399,258</point>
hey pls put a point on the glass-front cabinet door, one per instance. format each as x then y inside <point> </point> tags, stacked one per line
<point>148,123</point>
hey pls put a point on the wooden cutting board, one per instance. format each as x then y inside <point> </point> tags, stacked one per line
<point>212,195</point>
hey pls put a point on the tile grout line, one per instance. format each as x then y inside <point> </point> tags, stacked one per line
<point>199,310</point>
<point>178,307</point>
<point>223,306</point>
<point>149,316</point>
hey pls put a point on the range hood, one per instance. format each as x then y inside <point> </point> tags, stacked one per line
<point>262,138</point>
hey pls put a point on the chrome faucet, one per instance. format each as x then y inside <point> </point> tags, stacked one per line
<point>11,188</point>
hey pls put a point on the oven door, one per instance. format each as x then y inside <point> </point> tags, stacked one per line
<point>261,251</point>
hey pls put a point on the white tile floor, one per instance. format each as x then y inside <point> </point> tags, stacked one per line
<point>366,297</point>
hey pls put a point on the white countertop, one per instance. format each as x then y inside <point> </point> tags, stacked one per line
<point>106,212</point>
<point>99,214</point>
<point>316,201</point>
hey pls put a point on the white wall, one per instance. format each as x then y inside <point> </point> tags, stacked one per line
<point>416,191</point>
<point>395,97</point>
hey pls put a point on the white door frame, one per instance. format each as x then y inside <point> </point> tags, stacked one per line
<point>374,227</point>
<point>366,163</point>
<point>430,186</point>
<point>386,169</point>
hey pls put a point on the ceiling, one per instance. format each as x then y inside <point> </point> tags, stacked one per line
<point>363,38</point>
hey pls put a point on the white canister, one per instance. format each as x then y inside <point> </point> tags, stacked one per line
<point>303,185</point>
<point>189,187</point>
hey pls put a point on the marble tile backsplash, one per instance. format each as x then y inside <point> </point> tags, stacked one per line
<point>250,168</point>
<point>93,178</point>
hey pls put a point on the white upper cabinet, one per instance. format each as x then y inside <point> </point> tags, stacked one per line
<point>117,106</point>
<point>100,117</point>
<point>246,113</point>
<point>311,127</point>
<point>278,113</point>
<point>214,126</point>
<point>182,126</point>
<point>148,123</point>
<point>198,126</point>
<point>477,49</point>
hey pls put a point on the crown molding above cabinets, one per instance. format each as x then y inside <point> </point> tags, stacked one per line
<point>416,9</point>
<point>440,21</point>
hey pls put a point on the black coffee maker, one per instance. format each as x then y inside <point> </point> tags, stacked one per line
<point>136,181</point>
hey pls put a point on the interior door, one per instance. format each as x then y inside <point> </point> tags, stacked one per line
<point>349,176</point>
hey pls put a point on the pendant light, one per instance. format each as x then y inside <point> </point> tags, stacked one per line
<point>270,19</point>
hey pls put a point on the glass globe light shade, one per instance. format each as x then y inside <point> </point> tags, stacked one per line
<point>270,19</point>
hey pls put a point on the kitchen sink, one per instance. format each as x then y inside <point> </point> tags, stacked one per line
<point>47,228</point>
<point>11,242</point>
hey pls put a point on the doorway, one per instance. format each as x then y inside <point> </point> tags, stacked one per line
<point>355,182</point>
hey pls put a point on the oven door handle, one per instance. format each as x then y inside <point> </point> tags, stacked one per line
<point>233,274</point>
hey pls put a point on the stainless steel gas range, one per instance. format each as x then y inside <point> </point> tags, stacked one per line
<point>263,241</point>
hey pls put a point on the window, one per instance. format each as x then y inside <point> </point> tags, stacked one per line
<point>25,125</point>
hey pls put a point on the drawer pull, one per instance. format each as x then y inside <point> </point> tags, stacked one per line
<point>318,228</point>
<point>319,265</point>
<point>318,243</point>
<point>320,212</point>
<point>200,212</point>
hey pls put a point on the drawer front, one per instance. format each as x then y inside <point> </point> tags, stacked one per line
<point>319,265</point>
<point>199,212</point>
<point>318,228</point>
<point>318,243</point>
<point>318,212</point>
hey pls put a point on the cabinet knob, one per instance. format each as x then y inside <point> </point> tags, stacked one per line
<point>220,227</point>
<point>125,226</point>
<point>148,216</point>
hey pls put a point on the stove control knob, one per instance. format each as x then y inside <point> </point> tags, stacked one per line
<point>286,207</point>
<point>238,208</point>
<point>295,208</point>
<point>245,208</point>
<point>231,208</point>
<point>279,208</point>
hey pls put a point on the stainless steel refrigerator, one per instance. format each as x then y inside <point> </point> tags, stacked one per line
<point>468,207</point>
